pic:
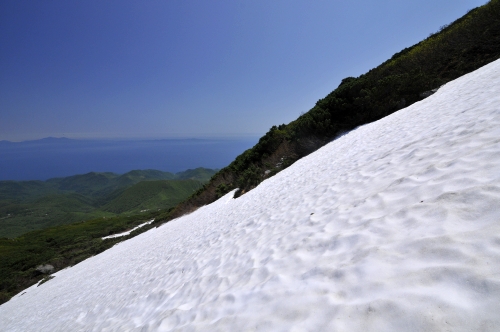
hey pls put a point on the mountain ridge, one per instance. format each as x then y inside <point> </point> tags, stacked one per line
<point>460,47</point>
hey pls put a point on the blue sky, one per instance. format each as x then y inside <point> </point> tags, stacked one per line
<point>158,69</point>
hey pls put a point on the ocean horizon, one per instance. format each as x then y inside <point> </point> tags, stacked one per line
<point>59,157</point>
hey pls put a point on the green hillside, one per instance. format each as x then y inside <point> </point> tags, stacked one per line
<point>85,184</point>
<point>47,211</point>
<point>149,195</point>
<point>200,174</point>
<point>14,191</point>
<point>30,205</point>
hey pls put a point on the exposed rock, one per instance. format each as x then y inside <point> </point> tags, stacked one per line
<point>426,94</point>
<point>47,268</point>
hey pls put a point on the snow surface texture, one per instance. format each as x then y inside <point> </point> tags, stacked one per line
<point>392,227</point>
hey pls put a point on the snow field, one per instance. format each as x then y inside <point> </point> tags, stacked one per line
<point>392,227</point>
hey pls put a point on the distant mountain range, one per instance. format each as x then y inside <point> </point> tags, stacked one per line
<point>41,140</point>
<point>31,205</point>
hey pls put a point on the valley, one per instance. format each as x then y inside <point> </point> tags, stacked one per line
<point>33,205</point>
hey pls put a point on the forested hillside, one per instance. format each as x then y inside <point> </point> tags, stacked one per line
<point>408,77</point>
<point>31,205</point>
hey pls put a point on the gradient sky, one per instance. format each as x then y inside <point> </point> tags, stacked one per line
<point>171,68</point>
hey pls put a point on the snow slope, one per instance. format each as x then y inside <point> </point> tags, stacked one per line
<point>392,227</point>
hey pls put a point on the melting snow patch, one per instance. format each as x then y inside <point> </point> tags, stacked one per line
<point>127,232</point>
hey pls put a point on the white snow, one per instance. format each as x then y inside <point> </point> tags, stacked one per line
<point>128,232</point>
<point>392,227</point>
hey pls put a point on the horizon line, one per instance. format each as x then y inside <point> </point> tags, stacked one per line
<point>152,138</point>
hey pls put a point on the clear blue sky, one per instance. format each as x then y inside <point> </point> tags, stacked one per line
<point>172,68</point>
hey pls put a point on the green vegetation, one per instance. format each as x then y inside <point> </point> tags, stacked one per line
<point>200,174</point>
<point>60,247</point>
<point>457,49</point>
<point>150,195</point>
<point>30,205</point>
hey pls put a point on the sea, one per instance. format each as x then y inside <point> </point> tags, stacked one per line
<point>59,157</point>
